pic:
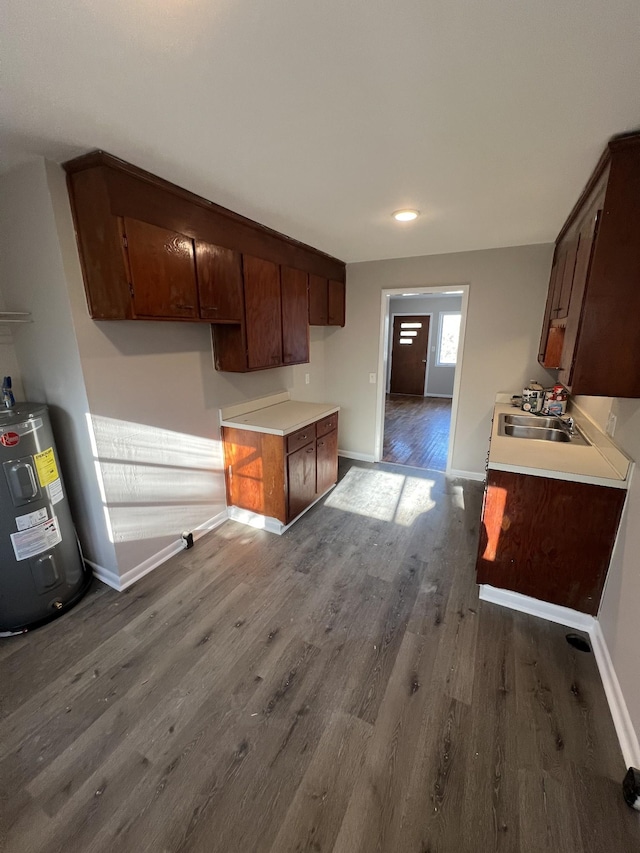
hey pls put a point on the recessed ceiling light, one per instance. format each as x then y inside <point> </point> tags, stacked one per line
<point>405,215</point>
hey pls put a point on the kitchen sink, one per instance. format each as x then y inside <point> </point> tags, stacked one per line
<point>539,428</point>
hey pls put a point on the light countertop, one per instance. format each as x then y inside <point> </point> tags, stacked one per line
<point>276,414</point>
<point>599,463</point>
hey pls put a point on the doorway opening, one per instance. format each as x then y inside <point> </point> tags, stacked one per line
<point>421,347</point>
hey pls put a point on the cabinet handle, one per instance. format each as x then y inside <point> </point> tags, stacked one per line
<point>321,444</point>
<point>309,450</point>
<point>183,307</point>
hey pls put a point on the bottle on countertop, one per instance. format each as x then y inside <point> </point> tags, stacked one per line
<point>555,400</point>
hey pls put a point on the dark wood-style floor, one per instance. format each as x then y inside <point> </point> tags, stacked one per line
<point>339,688</point>
<point>416,431</point>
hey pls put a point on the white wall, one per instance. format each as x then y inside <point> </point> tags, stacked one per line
<point>506,302</point>
<point>439,378</point>
<point>8,358</point>
<point>620,604</point>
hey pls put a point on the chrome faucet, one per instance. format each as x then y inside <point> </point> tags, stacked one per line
<point>567,425</point>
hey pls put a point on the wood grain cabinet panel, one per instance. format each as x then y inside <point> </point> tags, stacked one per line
<point>326,461</point>
<point>326,301</point>
<point>295,310</point>
<point>549,539</point>
<point>301,480</point>
<point>336,303</point>
<point>162,269</point>
<point>590,331</point>
<point>263,313</point>
<point>318,300</point>
<point>219,283</point>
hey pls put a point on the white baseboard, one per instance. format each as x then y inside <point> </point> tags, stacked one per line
<point>465,475</point>
<point>359,457</point>
<point>267,522</point>
<point>107,576</point>
<point>535,607</point>
<point>627,736</point>
<point>443,396</point>
<point>126,579</point>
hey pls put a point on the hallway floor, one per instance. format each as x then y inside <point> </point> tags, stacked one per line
<point>337,689</point>
<point>416,431</point>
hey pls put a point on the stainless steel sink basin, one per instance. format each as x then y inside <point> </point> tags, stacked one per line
<point>533,420</point>
<point>541,433</point>
<point>539,429</point>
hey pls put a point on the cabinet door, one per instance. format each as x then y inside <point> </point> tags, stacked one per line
<point>566,284</point>
<point>588,235</point>
<point>263,313</point>
<point>556,283</point>
<point>295,315</point>
<point>335,312</point>
<point>219,283</point>
<point>549,539</point>
<point>162,270</point>
<point>327,461</point>
<point>301,475</point>
<point>318,300</point>
<point>548,312</point>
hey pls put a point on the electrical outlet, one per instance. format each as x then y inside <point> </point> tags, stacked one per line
<point>306,378</point>
<point>372,378</point>
<point>611,424</point>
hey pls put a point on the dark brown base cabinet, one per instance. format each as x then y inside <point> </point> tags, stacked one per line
<point>152,251</point>
<point>549,539</point>
<point>280,476</point>
<point>591,333</point>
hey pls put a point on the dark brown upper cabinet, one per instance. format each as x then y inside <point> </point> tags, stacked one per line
<point>318,301</point>
<point>275,330</point>
<point>591,332</point>
<point>162,272</point>
<point>219,283</point>
<point>295,309</point>
<point>152,250</point>
<point>326,301</point>
<point>263,311</point>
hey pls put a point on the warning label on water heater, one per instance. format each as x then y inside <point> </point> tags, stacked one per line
<point>30,543</point>
<point>46,467</point>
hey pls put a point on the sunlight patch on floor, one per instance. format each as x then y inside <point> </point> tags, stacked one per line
<point>396,498</point>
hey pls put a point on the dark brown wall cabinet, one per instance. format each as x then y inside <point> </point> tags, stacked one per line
<point>591,332</point>
<point>274,331</point>
<point>277,476</point>
<point>152,251</point>
<point>326,301</point>
<point>546,538</point>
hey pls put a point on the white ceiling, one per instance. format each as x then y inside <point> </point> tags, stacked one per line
<point>321,117</point>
